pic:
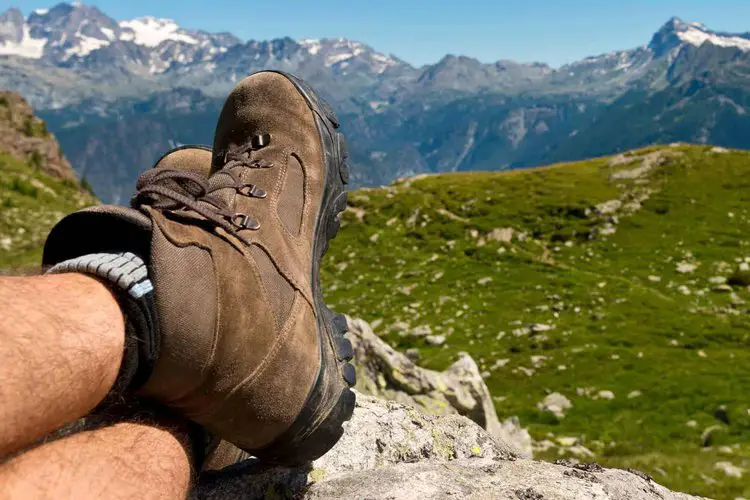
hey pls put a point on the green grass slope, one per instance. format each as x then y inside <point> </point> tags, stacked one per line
<point>31,202</point>
<point>624,288</point>
<point>620,283</point>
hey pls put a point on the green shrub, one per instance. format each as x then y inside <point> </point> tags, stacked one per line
<point>28,127</point>
<point>36,160</point>
<point>23,187</point>
<point>33,127</point>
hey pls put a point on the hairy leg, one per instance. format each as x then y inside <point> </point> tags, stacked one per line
<point>126,460</point>
<point>61,343</point>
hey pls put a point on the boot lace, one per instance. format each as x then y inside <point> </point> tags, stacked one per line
<point>170,189</point>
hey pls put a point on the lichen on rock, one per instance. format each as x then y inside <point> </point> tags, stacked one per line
<point>393,451</point>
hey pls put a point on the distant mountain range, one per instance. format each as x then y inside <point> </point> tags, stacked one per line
<point>118,93</point>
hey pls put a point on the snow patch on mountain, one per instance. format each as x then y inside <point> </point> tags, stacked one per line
<point>150,32</point>
<point>32,48</point>
<point>85,45</point>
<point>697,35</point>
<point>338,52</point>
<point>110,34</point>
<point>337,58</point>
<point>342,49</point>
<point>382,61</point>
<point>312,46</point>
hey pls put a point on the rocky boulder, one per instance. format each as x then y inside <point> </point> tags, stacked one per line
<point>393,451</point>
<point>388,374</point>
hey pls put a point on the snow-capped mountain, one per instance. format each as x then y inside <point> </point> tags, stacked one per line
<point>344,55</point>
<point>67,34</point>
<point>77,35</point>
<point>16,38</point>
<point>97,47</point>
<point>102,82</point>
<point>648,64</point>
<point>677,33</point>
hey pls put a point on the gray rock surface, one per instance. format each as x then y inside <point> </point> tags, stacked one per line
<point>393,451</point>
<point>386,373</point>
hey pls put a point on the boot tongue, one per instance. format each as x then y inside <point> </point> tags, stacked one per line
<point>222,186</point>
<point>196,159</point>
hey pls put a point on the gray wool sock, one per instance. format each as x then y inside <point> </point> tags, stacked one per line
<point>126,275</point>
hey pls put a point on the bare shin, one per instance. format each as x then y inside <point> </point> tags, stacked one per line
<point>126,460</point>
<point>61,343</point>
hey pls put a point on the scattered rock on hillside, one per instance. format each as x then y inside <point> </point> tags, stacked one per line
<point>502,235</point>
<point>606,395</point>
<point>541,327</point>
<point>392,451</point>
<point>686,267</point>
<point>384,372</point>
<point>556,404</point>
<point>730,469</point>
<point>435,339</point>
<point>648,162</point>
<point>621,159</point>
<point>418,331</point>
<point>608,207</point>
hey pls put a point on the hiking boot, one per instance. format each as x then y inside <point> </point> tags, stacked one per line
<point>197,159</point>
<point>246,346</point>
<point>191,158</point>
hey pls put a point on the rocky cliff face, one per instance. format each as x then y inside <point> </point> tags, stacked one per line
<point>25,137</point>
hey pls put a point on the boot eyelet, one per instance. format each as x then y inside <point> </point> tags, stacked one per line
<point>243,221</point>
<point>260,141</point>
<point>253,191</point>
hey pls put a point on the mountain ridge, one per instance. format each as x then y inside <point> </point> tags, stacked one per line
<point>75,35</point>
<point>688,84</point>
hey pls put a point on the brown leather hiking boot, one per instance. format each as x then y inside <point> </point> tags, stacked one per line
<point>246,346</point>
<point>190,158</point>
<point>197,159</point>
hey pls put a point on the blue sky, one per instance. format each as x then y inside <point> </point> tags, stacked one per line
<point>422,31</point>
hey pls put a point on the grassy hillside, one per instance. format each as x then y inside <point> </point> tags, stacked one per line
<point>37,185</point>
<point>31,202</point>
<point>620,283</point>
